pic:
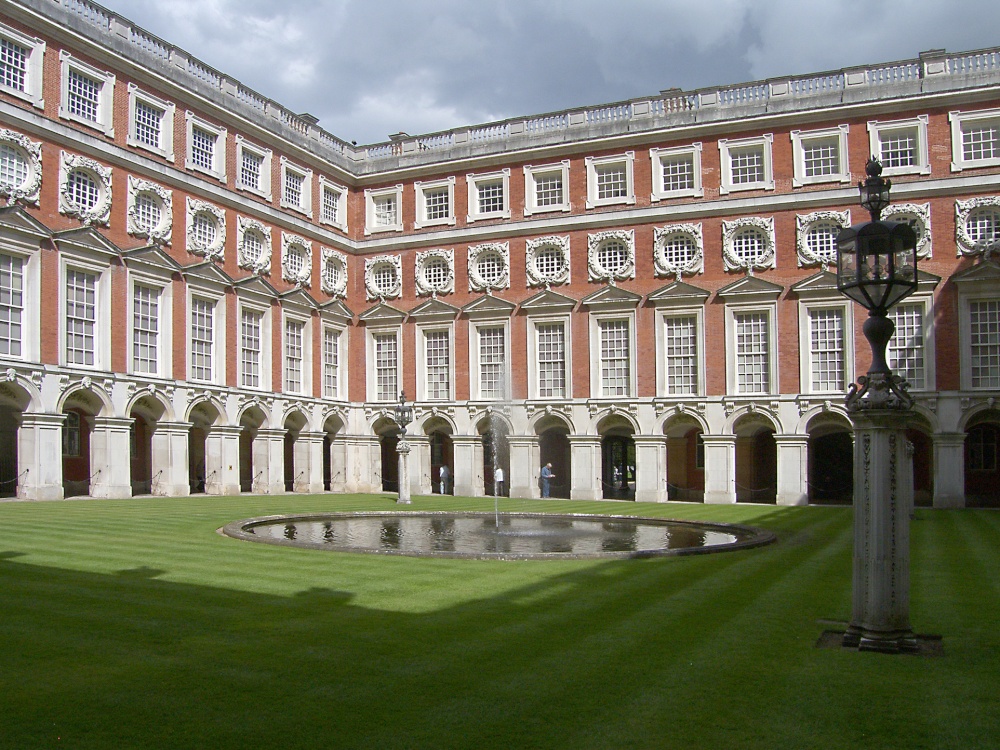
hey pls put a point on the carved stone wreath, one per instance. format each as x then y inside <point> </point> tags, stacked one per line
<point>100,212</point>
<point>31,151</point>
<point>253,259</point>
<point>429,259</point>
<point>293,245</point>
<point>917,215</point>
<point>160,233</point>
<point>535,248</point>
<point>596,243</point>
<point>214,250</point>
<point>333,272</point>
<point>803,224</point>
<point>666,266</point>
<point>963,211</point>
<point>382,263</point>
<point>732,229</point>
<point>479,255</point>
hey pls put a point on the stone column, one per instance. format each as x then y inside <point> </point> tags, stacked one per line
<point>468,479</point>
<point>170,459</point>
<point>39,457</point>
<point>880,618</point>
<point>949,470</point>
<point>650,468</point>
<point>585,467</point>
<point>222,461</point>
<point>110,458</point>
<point>419,477</point>
<point>793,469</point>
<point>720,468</point>
<point>403,449</point>
<point>308,450</point>
<point>524,468</point>
<point>338,464</point>
<point>268,461</point>
<point>364,463</point>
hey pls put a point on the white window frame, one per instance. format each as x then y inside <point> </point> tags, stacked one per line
<point>475,363</point>
<point>304,206</point>
<point>965,332</point>
<point>265,363</point>
<point>32,91</point>
<point>165,313</point>
<point>305,387</point>
<point>474,182</point>
<point>805,343</point>
<point>30,189</point>
<point>662,386</point>
<point>421,191</point>
<point>106,96</point>
<point>596,384</point>
<point>926,301</point>
<point>218,334</point>
<point>423,392</point>
<point>801,138</point>
<point>370,369</point>
<point>218,171</point>
<point>166,148</point>
<point>732,375</point>
<point>371,196</point>
<point>658,156</point>
<point>594,165</point>
<point>726,149</point>
<point>958,120</point>
<point>532,174</point>
<point>31,291</point>
<point>263,189</point>
<point>343,348</point>
<point>100,212</point>
<point>340,220</point>
<point>534,323</point>
<point>102,310</point>
<point>877,131</point>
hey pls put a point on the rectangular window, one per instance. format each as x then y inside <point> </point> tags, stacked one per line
<point>81,317</point>
<point>906,347</point>
<point>145,329</point>
<point>678,173</point>
<point>747,165</point>
<point>981,140</point>
<point>83,96</point>
<point>331,206</point>
<point>203,148</point>
<point>984,329</point>
<point>612,181</point>
<point>614,357</point>
<point>549,189</point>
<point>899,148</point>
<point>438,364</point>
<point>821,157</point>
<point>294,330</point>
<point>753,343</point>
<point>436,204</point>
<point>13,65</point>
<point>251,165</point>
<point>386,211</point>
<point>293,188</point>
<point>202,338</point>
<point>826,338</point>
<point>331,362</point>
<point>11,305</point>
<point>492,359</point>
<point>681,348</point>
<point>490,196</point>
<point>551,360</point>
<point>148,124</point>
<point>386,362</point>
<point>250,337</point>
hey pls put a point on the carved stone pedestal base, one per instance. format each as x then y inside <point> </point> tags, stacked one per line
<point>403,448</point>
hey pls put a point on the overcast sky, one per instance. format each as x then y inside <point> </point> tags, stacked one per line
<point>368,68</point>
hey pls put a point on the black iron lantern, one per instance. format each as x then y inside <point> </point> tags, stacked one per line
<point>403,413</point>
<point>875,189</point>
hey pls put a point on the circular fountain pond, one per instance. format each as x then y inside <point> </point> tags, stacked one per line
<point>509,536</point>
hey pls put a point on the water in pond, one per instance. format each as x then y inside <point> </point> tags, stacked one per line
<point>510,536</point>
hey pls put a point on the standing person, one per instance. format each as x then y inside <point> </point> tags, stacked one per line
<point>443,475</point>
<point>498,481</point>
<point>547,477</point>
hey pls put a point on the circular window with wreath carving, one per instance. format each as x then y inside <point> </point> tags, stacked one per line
<point>821,239</point>
<point>149,211</point>
<point>983,225</point>
<point>295,260</point>
<point>748,243</point>
<point>333,274</point>
<point>750,246</point>
<point>489,266</point>
<point>612,257</point>
<point>204,229</point>
<point>437,273</point>
<point>918,217</point>
<point>678,249</point>
<point>20,167</point>
<point>252,247</point>
<point>385,279</point>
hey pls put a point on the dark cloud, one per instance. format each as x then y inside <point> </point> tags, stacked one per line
<point>368,69</point>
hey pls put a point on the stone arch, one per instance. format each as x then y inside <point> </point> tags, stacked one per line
<point>19,393</point>
<point>203,465</point>
<point>545,420</point>
<point>296,458</point>
<point>96,399</point>
<point>441,464</point>
<point>553,431</point>
<point>83,406</point>
<point>750,413</point>
<point>334,450</point>
<point>254,449</point>
<point>830,456</point>
<point>982,457</point>
<point>15,401</point>
<point>611,419</point>
<point>756,457</point>
<point>617,431</point>
<point>146,410</point>
<point>494,430</point>
<point>685,456</point>
<point>919,434</point>
<point>388,437</point>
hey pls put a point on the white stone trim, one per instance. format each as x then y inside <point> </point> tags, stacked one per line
<point>105,105</point>
<point>372,265</point>
<point>289,244</point>
<point>423,258</point>
<point>161,233</point>
<point>166,148</point>
<point>29,190</point>
<point>662,265</point>
<point>476,281</point>
<point>532,248</point>
<point>801,137</point>
<point>726,149</point>
<point>100,213</point>
<point>421,189</point>
<point>374,194</point>
<point>658,156</point>
<point>262,263</point>
<point>913,213</point>
<point>803,224</point>
<point>595,242</point>
<point>32,92</point>
<point>731,229</point>
<point>877,130</point>
<point>957,120</point>
<point>963,210</point>
<point>473,182</point>
<point>216,250</point>
<point>330,258</point>
<point>594,164</point>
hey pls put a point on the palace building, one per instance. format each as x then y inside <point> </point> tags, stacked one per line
<point>203,292</point>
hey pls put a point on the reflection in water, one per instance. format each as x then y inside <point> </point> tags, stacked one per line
<point>515,535</point>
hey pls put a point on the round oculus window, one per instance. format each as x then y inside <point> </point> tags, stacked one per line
<point>549,261</point>
<point>612,256</point>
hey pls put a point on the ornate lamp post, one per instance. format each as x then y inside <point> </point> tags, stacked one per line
<point>877,267</point>
<point>403,415</point>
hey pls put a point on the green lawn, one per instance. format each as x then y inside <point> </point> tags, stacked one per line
<point>133,624</point>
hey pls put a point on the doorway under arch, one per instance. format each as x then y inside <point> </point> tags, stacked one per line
<point>756,461</point>
<point>442,456</point>
<point>388,439</point>
<point>294,469</point>
<point>831,460</point>
<point>982,461</point>
<point>685,459</point>
<point>495,434</point>
<point>81,409</point>
<point>617,459</point>
<point>203,417</point>
<point>250,423</point>
<point>554,448</point>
